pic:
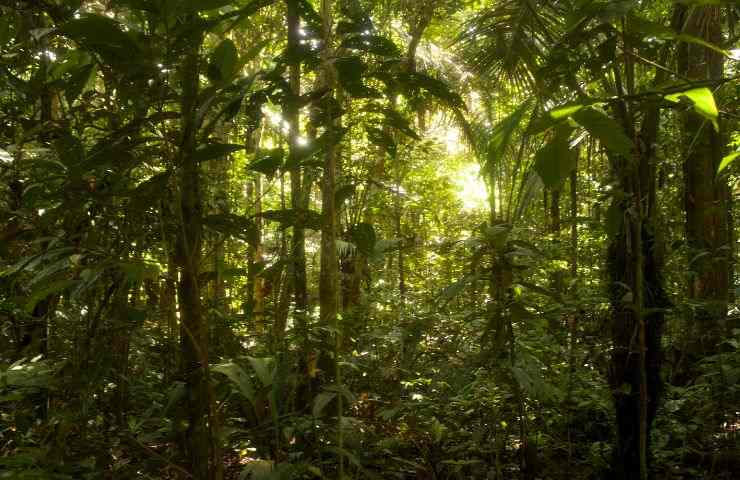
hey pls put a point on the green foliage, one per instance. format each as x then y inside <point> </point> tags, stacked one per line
<point>158,220</point>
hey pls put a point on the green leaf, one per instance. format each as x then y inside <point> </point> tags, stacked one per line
<point>350,70</point>
<point>376,44</point>
<point>105,36</point>
<point>294,218</point>
<point>437,88</point>
<point>609,132</point>
<point>224,61</point>
<point>234,225</point>
<point>239,378</point>
<point>382,139</point>
<point>46,290</point>
<point>268,161</point>
<point>216,150</point>
<point>363,236</point>
<point>453,290</point>
<point>321,401</point>
<point>264,368</point>
<point>727,160</point>
<point>565,111</point>
<point>394,119</point>
<point>501,138</point>
<point>555,161</point>
<point>139,271</point>
<point>703,101</point>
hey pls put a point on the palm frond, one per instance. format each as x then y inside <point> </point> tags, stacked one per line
<point>509,40</point>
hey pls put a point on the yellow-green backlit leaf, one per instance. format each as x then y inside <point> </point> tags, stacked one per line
<point>727,160</point>
<point>566,111</point>
<point>703,101</point>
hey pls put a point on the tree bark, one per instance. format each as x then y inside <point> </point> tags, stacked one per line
<point>298,241</point>
<point>200,452</point>
<point>635,259</point>
<point>705,193</point>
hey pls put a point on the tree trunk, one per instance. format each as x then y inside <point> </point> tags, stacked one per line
<point>199,447</point>
<point>705,193</point>
<point>298,241</point>
<point>635,259</point>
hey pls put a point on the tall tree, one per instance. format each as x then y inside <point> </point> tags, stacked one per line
<point>199,439</point>
<point>298,241</point>
<point>705,192</point>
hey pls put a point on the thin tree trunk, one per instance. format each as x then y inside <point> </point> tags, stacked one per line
<point>635,260</point>
<point>200,450</point>
<point>329,274</point>
<point>298,241</point>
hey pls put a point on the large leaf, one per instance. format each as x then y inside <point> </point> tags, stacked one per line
<point>45,290</point>
<point>216,150</point>
<point>294,218</point>
<point>703,101</point>
<point>105,36</point>
<point>727,160</point>
<point>658,30</point>
<point>264,368</point>
<point>321,401</point>
<point>268,161</point>
<point>233,225</point>
<point>555,161</point>
<point>239,378</point>
<point>501,138</point>
<point>436,87</point>
<point>610,133</point>
<point>224,61</point>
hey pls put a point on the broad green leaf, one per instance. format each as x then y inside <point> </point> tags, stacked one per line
<point>268,161</point>
<point>350,70</point>
<point>234,225</point>
<point>555,161</point>
<point>224,61</point>
<point>216,150</point>
<point>703,101</point>
<point>727,160</point>
<point>46,290</point>
<point>610,133</point>
<point>565,111</point>
<point>437,88</point>
<point>105,36</point>
<point>294,218</point>
<point>239,378</point>
<point>321,401</point>
<point>264,368</point>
